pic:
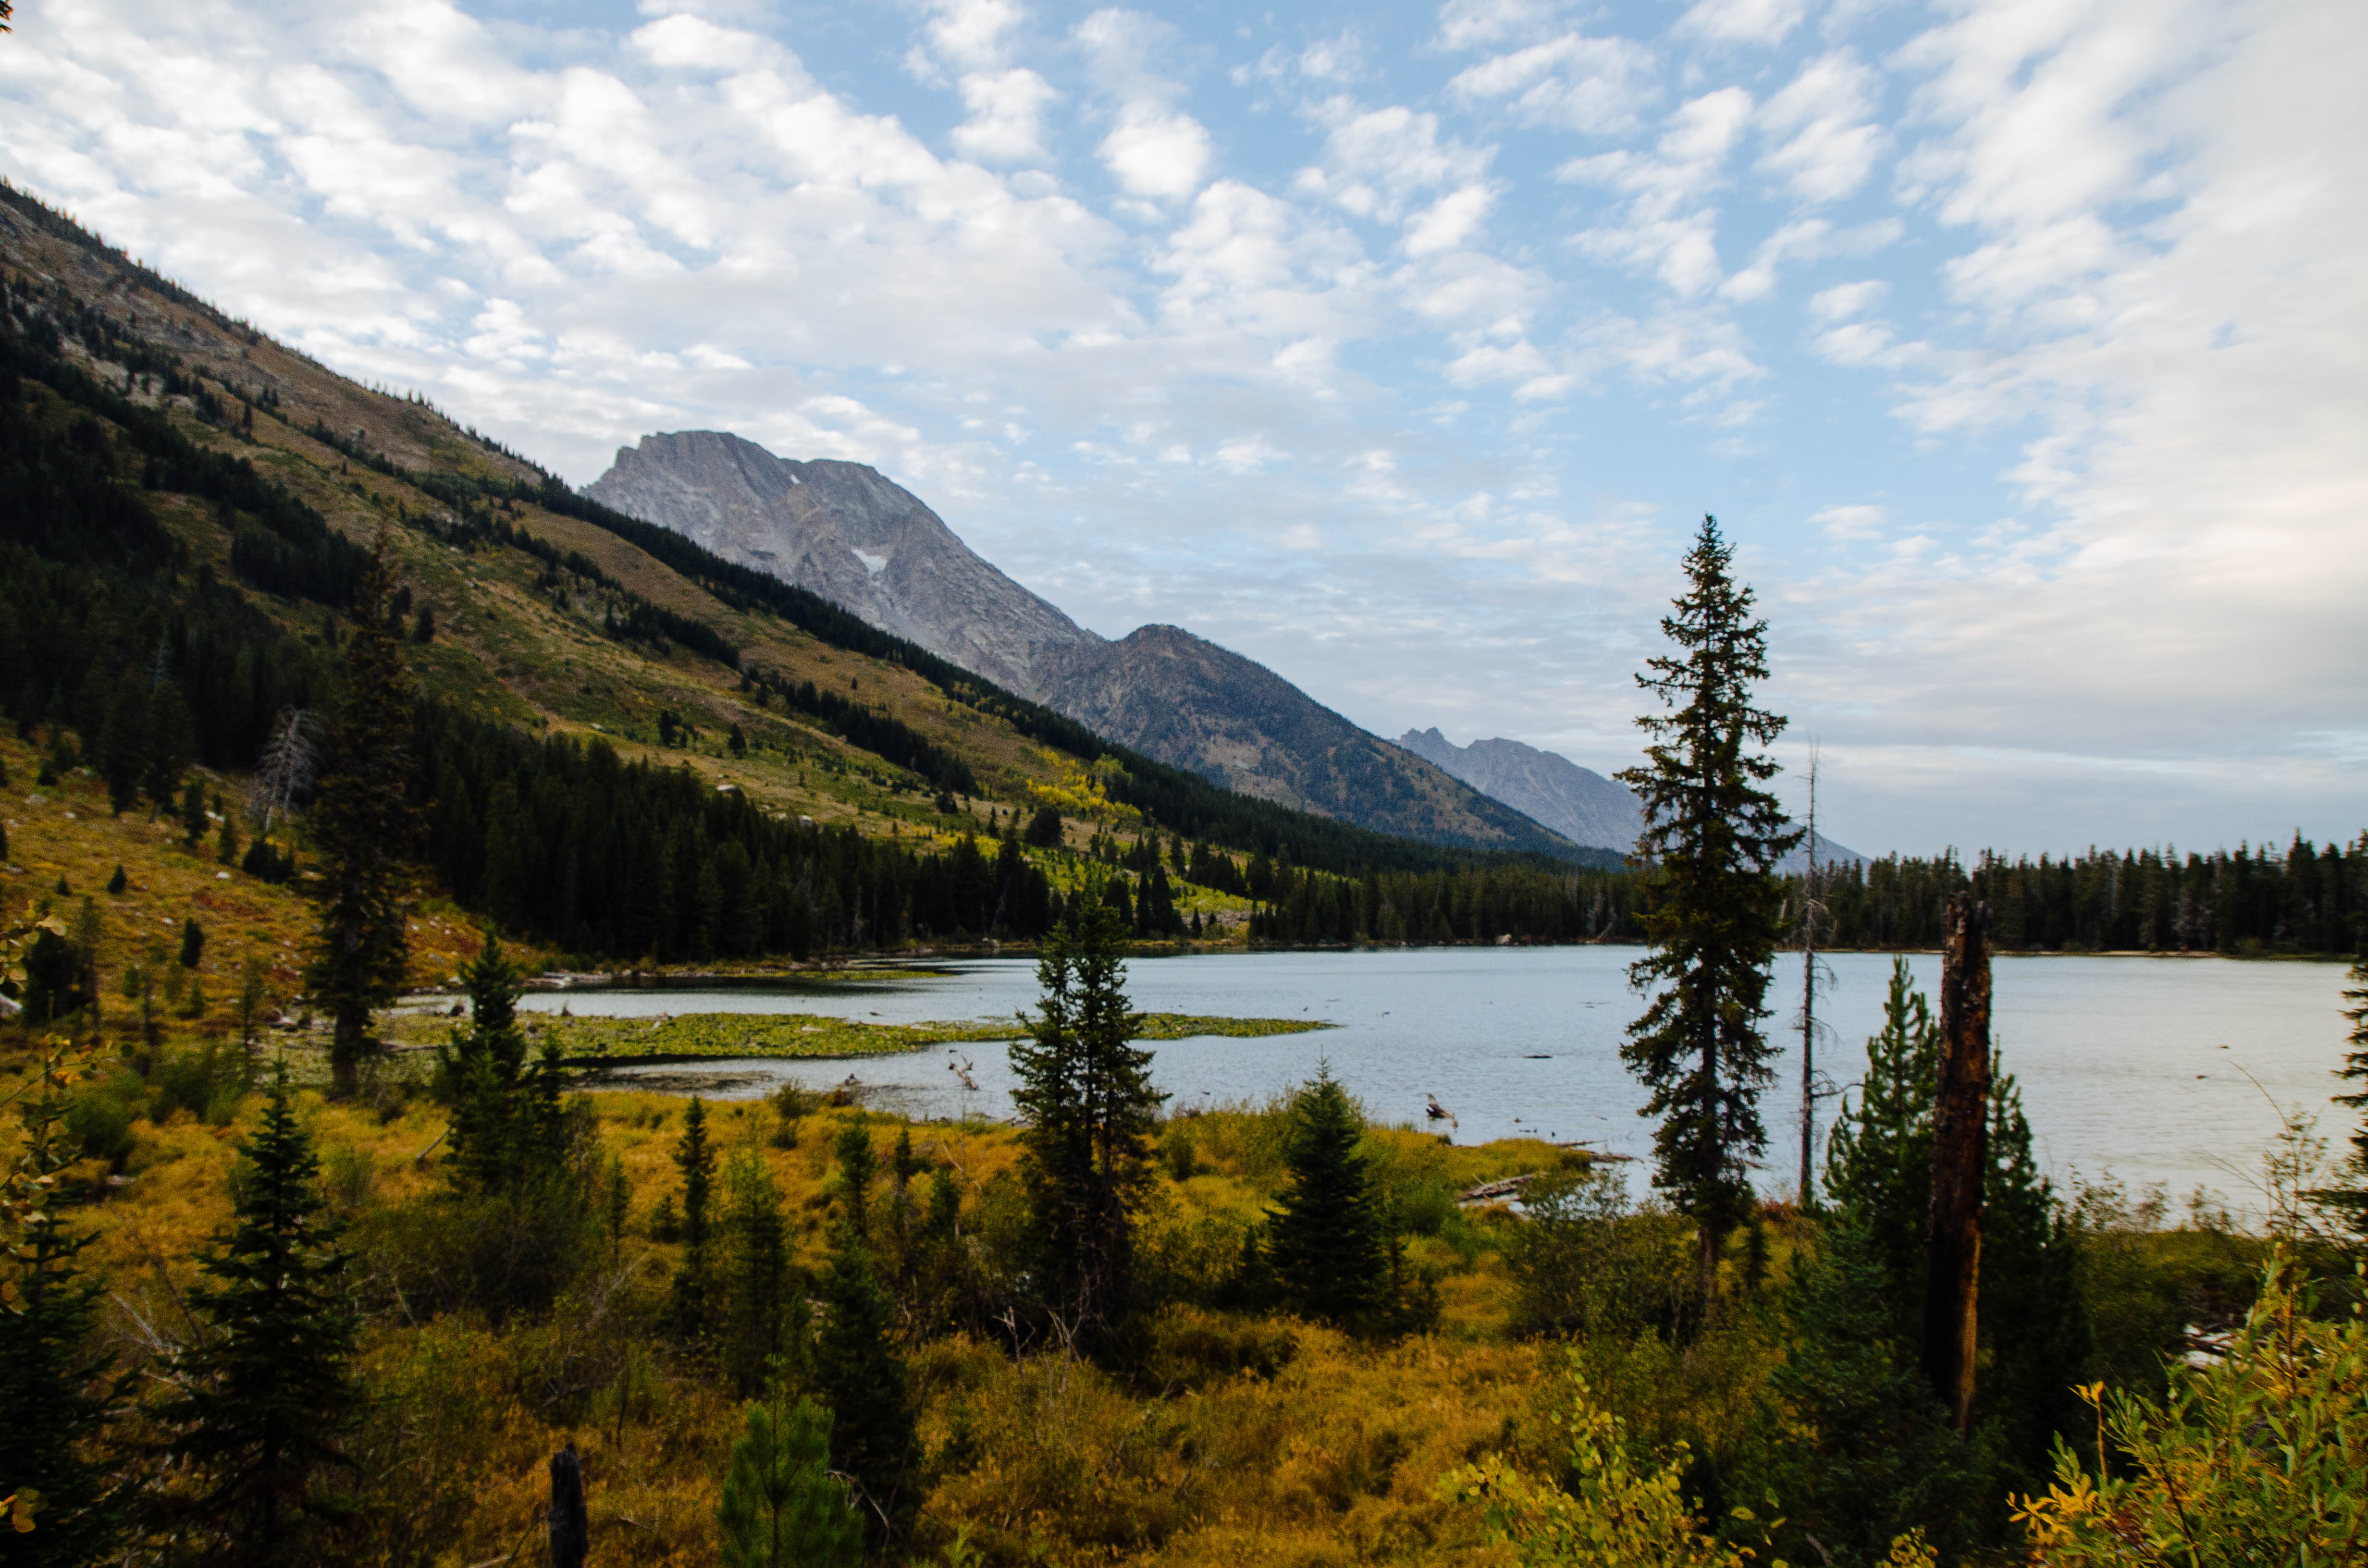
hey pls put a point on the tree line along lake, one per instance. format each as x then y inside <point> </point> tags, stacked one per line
<point>2170,1071</point>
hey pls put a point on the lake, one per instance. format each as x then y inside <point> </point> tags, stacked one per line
<point>2135,1067</point>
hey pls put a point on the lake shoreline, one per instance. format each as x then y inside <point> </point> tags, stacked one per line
<point>890,967</point>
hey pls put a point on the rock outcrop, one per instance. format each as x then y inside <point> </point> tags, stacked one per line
<point>1191,703</point>
<point>852,536</point>
<point>1578,803</point>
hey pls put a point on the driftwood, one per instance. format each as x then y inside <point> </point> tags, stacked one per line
<point>1952,1243</point>
<point>1512,1186</point>
<point>1509,1187</point>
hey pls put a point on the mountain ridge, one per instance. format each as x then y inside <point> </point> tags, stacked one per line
<point>845,532</point>
<point>1578,803</point>
<point>1575,802</point>
<point>849,533</point>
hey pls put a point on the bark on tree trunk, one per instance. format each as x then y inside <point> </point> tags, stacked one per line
<point>571,1525</point>
<point>1959,1158</point>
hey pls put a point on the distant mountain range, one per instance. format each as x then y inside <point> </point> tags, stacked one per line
<point>866,543</point>
<point>1578,803</point>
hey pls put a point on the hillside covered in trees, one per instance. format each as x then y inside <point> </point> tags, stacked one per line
<point>2248,900</point>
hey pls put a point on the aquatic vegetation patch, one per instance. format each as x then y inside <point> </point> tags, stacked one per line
<point>819,1035</point>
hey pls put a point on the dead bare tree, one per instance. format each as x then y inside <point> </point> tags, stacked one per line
<point>1813,908</point>
<point>1952,1246</point>
<point>289,762</point>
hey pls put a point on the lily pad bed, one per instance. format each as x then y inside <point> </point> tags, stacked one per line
<point>812,1034</point>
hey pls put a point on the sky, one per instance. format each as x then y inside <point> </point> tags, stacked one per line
<point>2019,346</point>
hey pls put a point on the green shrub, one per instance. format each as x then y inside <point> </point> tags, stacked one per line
<point>1587,1261</point>
<point>102,1120</point>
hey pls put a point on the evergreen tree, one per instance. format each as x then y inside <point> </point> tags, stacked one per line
<point>362,833</point>
<point>695,1158</point>
<point>1084,1090</point>
<point>1324,1244</point>
<point>2350,1201</point>
<point>1879,1156</point>
<point>1849,1439</point>
<point>1711,841</point>
<point>193,813</point>
<point>759,1296</point>
<point>781,1506</point>
<point>862,1378</point>
<point>193,943</point>
<point>859,1164</point>
<point>269,1387</point>
<point>170,741</point>
<point>497,1136</point>
<point>2033,1314</point>
<point>122,739</point>
<point>58,1387</point>
<point>2032,1318</point>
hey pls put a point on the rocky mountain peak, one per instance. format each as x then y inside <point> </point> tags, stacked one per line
<point>849,533</point>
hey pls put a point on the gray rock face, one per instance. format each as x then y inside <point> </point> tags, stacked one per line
<point>1192,704</point>
<point>855,538</point>
<point>1578,803</point>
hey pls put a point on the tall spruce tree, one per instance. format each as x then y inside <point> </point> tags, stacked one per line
<point>1084,1090</point>
<point>781,1508</point>
<point>481,1070</point>
<point>863,1380</point>
<point>1713,905</point>
<point>58,1385</point>
<point>694,1156</point>
<point>1879,1156</point>
<point>362,830</point>
<point>759,1298</point>
<point>2350,1201</point>
<point>1324,1244</point>
<point>269,1387</point>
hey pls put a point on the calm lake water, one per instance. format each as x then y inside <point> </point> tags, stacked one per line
<point>2132,1067</point>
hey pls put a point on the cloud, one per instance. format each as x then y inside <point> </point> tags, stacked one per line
<point>971,35</point>
<point>1844,300</point>
<point>1007,110</point>
<point>1743,21</point>
<point>1155,150</point>
<point>1849,522</point>
<point>1596,85</point>
<point>1377,161</point>
<point>1667,226</point>
<point>1446,223</point>
<point>1828,144</point>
